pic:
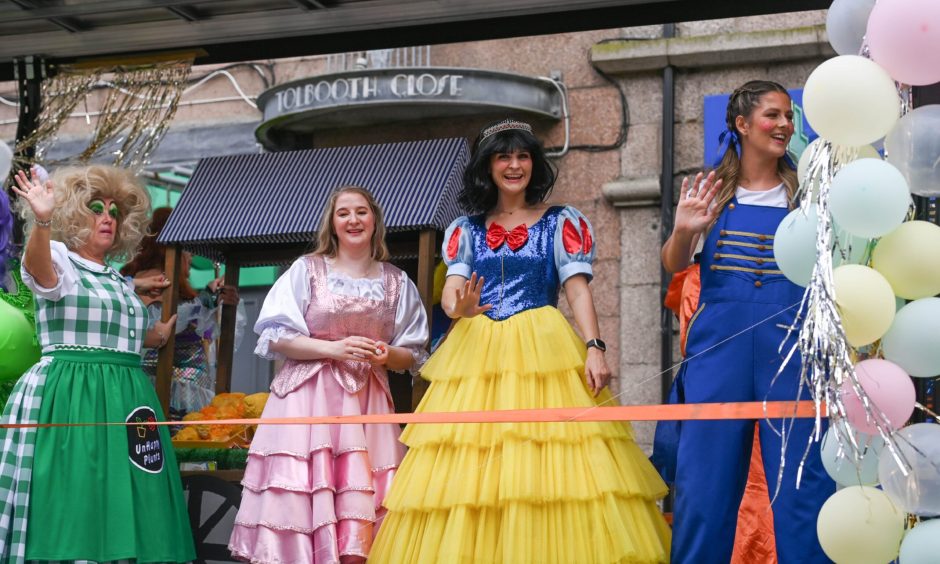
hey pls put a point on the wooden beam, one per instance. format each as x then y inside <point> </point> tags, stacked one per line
<point>427,250</point>
<point>223,373</point>
<point>171,297</point>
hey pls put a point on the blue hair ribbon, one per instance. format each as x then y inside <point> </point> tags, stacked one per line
<point>727,140</point>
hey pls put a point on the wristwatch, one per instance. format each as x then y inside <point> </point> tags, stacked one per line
<point>598,344</point>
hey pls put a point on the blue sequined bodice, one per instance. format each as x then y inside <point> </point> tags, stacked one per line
<point>515,281</point>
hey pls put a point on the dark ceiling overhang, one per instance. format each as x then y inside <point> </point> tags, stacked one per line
<point>240,30</point>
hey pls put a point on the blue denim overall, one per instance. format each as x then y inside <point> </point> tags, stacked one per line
<point>741,288</point>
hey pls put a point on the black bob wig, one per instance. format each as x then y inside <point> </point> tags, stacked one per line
<point>480,194</point>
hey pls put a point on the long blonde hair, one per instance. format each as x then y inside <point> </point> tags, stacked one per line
<point>328,243</point>
<point>741,103</point>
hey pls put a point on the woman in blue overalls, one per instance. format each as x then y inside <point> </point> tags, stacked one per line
<point>733,344</point>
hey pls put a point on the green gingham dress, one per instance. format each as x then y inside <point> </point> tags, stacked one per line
<point>89,494</point>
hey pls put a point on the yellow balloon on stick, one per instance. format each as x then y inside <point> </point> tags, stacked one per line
<point>865,301</point>
<point>909,258</point>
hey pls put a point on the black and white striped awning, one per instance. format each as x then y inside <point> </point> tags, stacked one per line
<point>242,203</point>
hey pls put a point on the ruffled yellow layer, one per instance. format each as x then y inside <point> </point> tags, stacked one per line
<point>519,492</point>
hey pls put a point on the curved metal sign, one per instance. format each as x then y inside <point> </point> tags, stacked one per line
<point>375,96</point>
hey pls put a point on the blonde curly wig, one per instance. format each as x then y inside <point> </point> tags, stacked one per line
<point>75,188</point>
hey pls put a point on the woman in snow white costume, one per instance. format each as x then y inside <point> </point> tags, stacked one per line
<point>519,492</point>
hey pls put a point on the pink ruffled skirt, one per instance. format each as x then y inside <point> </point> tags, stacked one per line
<point>314,493</point>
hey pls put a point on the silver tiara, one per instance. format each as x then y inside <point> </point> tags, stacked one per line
<point>504,126</point>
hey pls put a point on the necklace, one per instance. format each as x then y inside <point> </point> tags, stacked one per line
<point>505,212</point>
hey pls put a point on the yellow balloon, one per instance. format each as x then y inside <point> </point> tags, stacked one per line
<point>860,525</point>
<point>865,301</point>
<point>909,258</point>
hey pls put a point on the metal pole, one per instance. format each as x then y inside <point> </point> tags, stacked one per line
<point>666,216</point>
<point>29,72</point>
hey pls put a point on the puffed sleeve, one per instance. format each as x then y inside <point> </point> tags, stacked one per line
<point>282,314</point>
<point>574,245</point>
<point>67,275</point>
<point>457,249</point>
<point>411,323</point>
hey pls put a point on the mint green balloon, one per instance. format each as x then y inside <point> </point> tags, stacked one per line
<point>795,245</point>
<point>18,349</point>
<point>869,198</point>
<point>848,248</point>
<point>913,341</point>
<point>842,466</point>
<point>921,545</point>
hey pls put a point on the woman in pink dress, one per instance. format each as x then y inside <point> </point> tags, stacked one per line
<point>341,317</point>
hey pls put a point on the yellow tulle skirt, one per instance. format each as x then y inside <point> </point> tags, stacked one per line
<point>519,492</point>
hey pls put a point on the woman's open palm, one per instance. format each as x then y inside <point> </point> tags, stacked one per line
<point>695,213</point>
<point>41,198</point>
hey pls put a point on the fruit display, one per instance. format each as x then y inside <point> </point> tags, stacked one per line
<point>223,406</point>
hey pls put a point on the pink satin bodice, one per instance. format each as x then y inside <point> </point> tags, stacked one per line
<point>332,317</point>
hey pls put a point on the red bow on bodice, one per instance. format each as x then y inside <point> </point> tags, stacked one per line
<point>497,234</point>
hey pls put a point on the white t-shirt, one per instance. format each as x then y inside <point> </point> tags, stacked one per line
<point>776,197</point>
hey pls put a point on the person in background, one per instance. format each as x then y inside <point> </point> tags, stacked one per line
<point>193,384</point>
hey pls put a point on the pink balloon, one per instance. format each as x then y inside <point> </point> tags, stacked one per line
<point>889,389</point>
<point>904,38</point>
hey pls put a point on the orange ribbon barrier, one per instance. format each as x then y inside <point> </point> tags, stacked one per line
<point>674,412</point>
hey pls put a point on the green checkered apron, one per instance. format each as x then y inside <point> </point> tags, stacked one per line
<point>90,494</point>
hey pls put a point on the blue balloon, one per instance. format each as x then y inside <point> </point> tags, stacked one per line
<point>869,198</point>
<point>842,466</point>
<point>795,245</point>
<point>921,545</point>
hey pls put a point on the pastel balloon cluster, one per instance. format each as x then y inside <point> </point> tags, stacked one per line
<point>900,34</point>
<point>851,100</point>
<point>886,274</point>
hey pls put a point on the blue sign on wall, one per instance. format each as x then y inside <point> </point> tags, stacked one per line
<point>716,106</point>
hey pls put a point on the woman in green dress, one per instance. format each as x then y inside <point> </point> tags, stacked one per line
<point>88,493</point>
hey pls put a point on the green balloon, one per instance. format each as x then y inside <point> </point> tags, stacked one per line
<point>795,245</point>
<point>913,341</point>
<point>18,347</point>
<point>201,263</point>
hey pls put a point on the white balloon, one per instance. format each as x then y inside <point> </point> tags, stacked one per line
<point>851,101</point>
<point>6,160</point>
<point>846,23</point>
<point>913,146</point>
<point>919,491</point>
<point>42,173</point>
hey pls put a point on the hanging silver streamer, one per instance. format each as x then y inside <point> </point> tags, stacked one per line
<point>828,361</point>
